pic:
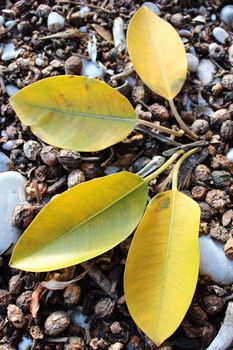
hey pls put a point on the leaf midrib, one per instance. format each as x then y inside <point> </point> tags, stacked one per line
<point>116,118</point>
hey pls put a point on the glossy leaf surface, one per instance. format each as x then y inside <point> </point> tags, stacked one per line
<point>162,266</point>
<point>81,223</point>
<point>157,53</point>
<point>76,113</point>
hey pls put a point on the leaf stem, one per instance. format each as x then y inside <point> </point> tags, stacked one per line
<point>161,128</point>
<point>177,167</point>
<point>180,121</point>
<point>164,166</point>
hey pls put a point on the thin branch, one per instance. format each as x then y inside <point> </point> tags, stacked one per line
<point>161,128</point>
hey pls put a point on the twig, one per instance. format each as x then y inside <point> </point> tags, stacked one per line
<point>171,151</point>
<point>84,4</point>
<point>159,137</point>
<point>180,121</point>
<point>161,128</point>
<point>123,74</point>
<point>67,34</point>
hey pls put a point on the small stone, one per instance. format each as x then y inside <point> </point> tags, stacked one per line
<point>161,113</point>
<point>199,19</point>
<point>116,346</point>
<point>228,248</point>
<point>9,52</point>
<point>56,323</point>
<point>25,343</point>
<point>200,126</point>
<point>202,173</point>
<point>213,304</point>
<point>217,199</point>
<point>226,15</point>
<point>20,6</point>
<point>36,332</point>
<point>227,217</point>
<point>193,62</point>
<point>199,193</point>
<point>23,215</point>
<point>216,51</point>
<point>104,308</point>
<point>5,299</point>
<point>220,35</point>
<point>219,117</point>
<point>5,163</point>
<point>24,301</point>
<point>79,319</point>
<point>177,20</point>
<point>206,211</point>
<point>15,316</point>
<point>220,233</point>
<point>48,155</point>
<point>11,193</point>
<point>72,294</point>
<point>227,81</point>
<point>153,7</point>
<point>221,178</point>
<point>230,54</point>
<point>75,343</point>
<point>75,177</point>
<point>32,149</point>
<point>73,65</point>
<point>43,10</point>
<point>10,23</point>
<point>226,130</point>
<point>205,71</point>
<point>11,90</point>
<point>2,21</point>
<point>230,155</point>
<point>55,22</point>
<point>213,261</point>
<point>69,159</point>
<point>24,28</point>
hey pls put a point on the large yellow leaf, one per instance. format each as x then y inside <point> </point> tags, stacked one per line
<point>157,53</point>
<point>162,266</point>
<point>75,113</point>
<point>81,223</point>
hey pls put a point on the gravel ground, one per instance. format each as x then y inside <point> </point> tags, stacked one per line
<point>91,313</point>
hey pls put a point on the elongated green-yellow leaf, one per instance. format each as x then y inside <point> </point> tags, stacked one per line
<point>157,53</point>
<point>162,266</point>
<point>81,223</point>
<point>76,113</point>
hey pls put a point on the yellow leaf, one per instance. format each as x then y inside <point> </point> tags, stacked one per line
<point>76,113</point>
<point>81,223</point>
<point>162,266</point>
<point>157,53</point>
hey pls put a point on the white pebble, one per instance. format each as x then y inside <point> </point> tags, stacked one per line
<point>92,70</point>
<point>230,155</point>
<point>213,48</point>
<point>9,52</point>
<point>79,319</point>
<point>11,194</point>
<point>154,8</point>
<point>11,89</point>
<point>226,15</point>
<point>119,34</point>
<point>10,23</point>
<point>193,62</point>
<point>55,22</point>
<point>8,145</point>
<point>230,54</point>
<point>25,343</point>
<point>5,163</point>
<point>205,71</point>
<point>2,21</point>
<point>220,34</point>
<point>199,19</point>
<point>213,261</point>
<point>84,11</point>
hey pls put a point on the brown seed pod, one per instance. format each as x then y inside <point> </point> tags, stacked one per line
<point>104,308</point>
<point>48,155</point>
<point>72,294</point>
<point>5,299</point>
<point>73,65</point>
<point>15,316</point>
<point>15,285</point>
<point>213,304</point>
<point>23,215</point>
<point>228,248</point>
<point>56,323</point>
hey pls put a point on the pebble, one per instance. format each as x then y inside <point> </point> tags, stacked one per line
<point>92,70</point>
<point>213,48</point>
<point>5,163</point>
<point>79,319</point>
<point>199,19</point>
<point>25,343</point>
<point>193,62</point>
<point>2,21</point>
<point>230,155</point>
<point>153,7</point>
<point>8,145</point>
<point>205,71</point>
<point>220,34</point>
<point>55,22</point>
<point>10,23</point>
<point>230,54</point>
<point>9,52</point>
<point>213,261</point>
<point>226,15</point>
<point>11,89</point>
<point>11,194</point>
